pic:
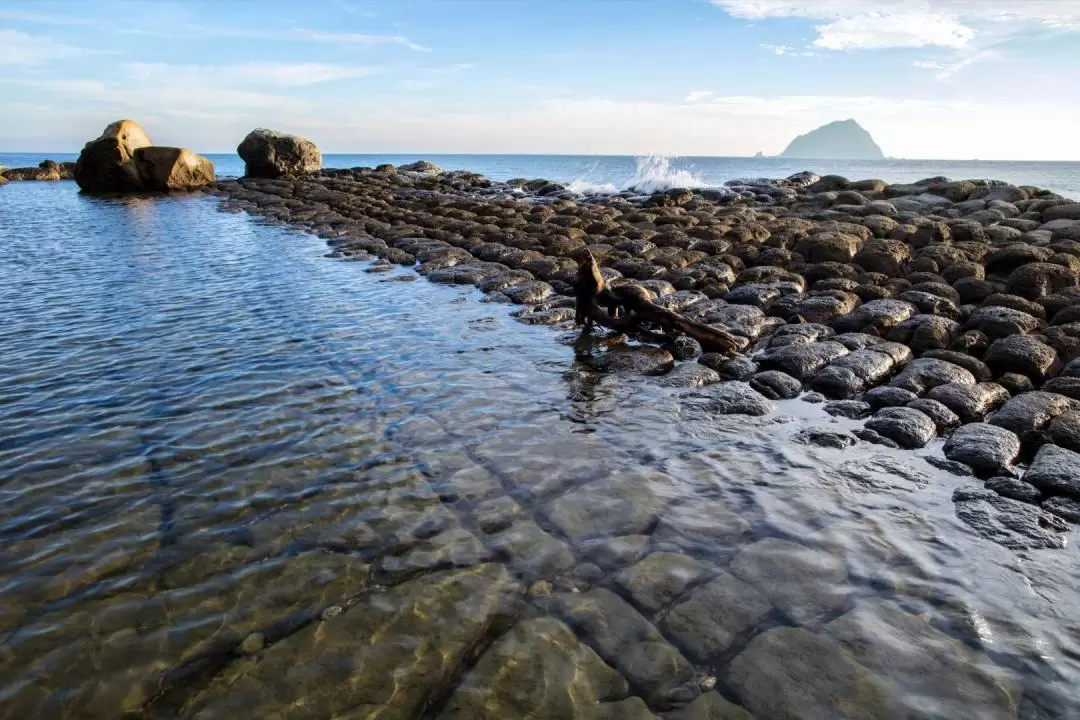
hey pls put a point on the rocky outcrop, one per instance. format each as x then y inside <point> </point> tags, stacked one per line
<point>123,160</point>
<point>47,170</point>
<point>842,139</point>
<point>271,154</point>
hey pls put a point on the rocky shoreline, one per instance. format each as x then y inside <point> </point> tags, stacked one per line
<point>938,308</point>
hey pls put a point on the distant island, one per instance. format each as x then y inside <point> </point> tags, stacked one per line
<point>842,139</point>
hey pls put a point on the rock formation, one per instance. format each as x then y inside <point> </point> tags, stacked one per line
<point>124,160</point>
<point>842,139</point>
<point>47,170</point>
<point>271,154</point>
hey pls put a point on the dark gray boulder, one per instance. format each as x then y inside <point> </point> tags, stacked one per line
<point>801,361</point>
<point>1064,430</point>
<point>971,403</point>
<point>798,334</point>
<point>1035,280</point>
<point>924,374</point>
<point>730,398</point>
<point>1016,384</point>
<point>1055,471</point>
<point>1015,525</point>
<point>925,332</point>
<point>987,449</point>
<point>686,348</point>
<point>906,426</point>
<point>879,315</point>
<point>854,409</point>
<point>999,322</point>
<point>1024,355</point>
<point>973,365</point>
<point>776,385</point>
<point>1014,489</point>
<point>690,375</point>
<point>1064,507</point>
<point>887,396</point>
<point>1031,411</point>
<point>739,367</point>
<point>943,417</point>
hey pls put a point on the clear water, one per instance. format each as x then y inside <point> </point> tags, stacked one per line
<point>597,172</point>
<point>199,414</point>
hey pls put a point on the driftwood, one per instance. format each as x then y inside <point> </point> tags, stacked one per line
<point>630,311</point>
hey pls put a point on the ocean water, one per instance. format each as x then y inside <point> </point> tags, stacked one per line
<point>239,479</point>
<point>611,173</point>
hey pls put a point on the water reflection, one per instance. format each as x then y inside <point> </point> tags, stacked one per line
<point>238,478</point>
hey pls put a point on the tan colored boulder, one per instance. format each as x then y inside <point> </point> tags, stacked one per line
<point>271,154</point>
<point>3,180</point>
<point>165,169</point>
<point>107,164</point>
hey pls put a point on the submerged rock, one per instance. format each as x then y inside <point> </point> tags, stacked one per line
<point>1066,508</point>
<point>1016,525</point>
<point>623,504</point>
<point>660,578</point>
<point>1055,471</point>
<point>714,617</point>
<point>730,398</point>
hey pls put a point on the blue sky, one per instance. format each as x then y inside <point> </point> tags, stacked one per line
<point>940,79</point>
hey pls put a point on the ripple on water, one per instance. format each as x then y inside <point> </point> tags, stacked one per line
<point>237,477</point>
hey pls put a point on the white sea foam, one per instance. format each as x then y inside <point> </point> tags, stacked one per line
<point>652,173</point>
<point>588,187</point>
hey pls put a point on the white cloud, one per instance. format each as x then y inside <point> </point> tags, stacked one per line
<point>274,74</point>
<point>697,96</point>
<point>362,39</point>
<point>19,48</point>
<point>787,50</point>
<point>871,24</point>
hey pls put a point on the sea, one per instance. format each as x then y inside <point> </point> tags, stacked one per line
<point>241,479</point>
<point>600,173</point>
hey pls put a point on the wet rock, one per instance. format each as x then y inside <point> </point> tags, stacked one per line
<point>776,385</point>
<point>438,618</point>
<point>804,583</point>
<point>498,514</point>
<point>453,547</point>
<point>1064,430</point>
<point>627,641</point>
<point>656,581</point>
<point>739,367</point>
<point>623,504</point>
<point>1023,355</point>
<point>798,334</point>
<point>635,360</point>
<point>953,680</point>
<point>1015,525</point>
<point>813,398</point>
<point>905,426</point>
<point>1016,303</point>
<point>999,322</point>
<point>690,375</point>
<point>971,403</point>
<point>730,398</point>
<point>705,527</point>
<point>791,674</point>
<point>1065,508</point>
<point>925,332</point>
<point>973,365</point>
<point>710,706</point>
<point>943,417</point>
<point>615,552</point>
<point>686,348</point>
<point>539,670</point>
<point>1055,471</point>
<point>924,374</point>
<point>987,449</point>
<point>467,485</point>
<point>1031,411</point>
<point>801,361</point>
<point>877,314</point>
<point>854,409</point>
<point>824,437</point>
<point>872,436</point>
<point>1015,384</point>
<point>715,616</point>
<point>271,154</point>
<point>1014,489</point>
<point>888,396</point>
<point>529,292</point>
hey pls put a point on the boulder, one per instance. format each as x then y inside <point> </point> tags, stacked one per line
<point>1055,471</point>
<point>167,169</point>
<point>730,398</point>
<point>854,409</point>
<point>973,365</point>
<point>1065,508</point>
<point>1035,280</point>
<point>714,617</point>
<point>710,706</point>
<point>107,164</point>
<point>1064,430</point>
<point>880,315</point>
<point>271,154</point>
<point>887,396</point>
<point>971,403</point>
<point>801,361</point>
<point>1014,489</point>
<point>924,374</point>
<point>690,375</point>
<point>1024,355</point>
<point>944,418</point>
<point>776,385</point>
<point>1031,412</point>
<point>989,450</point>
<point>925,332</point>
<point>1015,525</point>
<point>998,322</point>
<point>905,426</point>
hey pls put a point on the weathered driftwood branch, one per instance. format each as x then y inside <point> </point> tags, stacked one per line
<point>629,310</point>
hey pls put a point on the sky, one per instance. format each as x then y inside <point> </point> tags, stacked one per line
<point>988,79</point>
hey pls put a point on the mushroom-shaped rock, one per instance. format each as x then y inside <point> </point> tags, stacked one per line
<point>905,426</point>
<point>271,154</point>
<point>165,169</point>
<point>924,374</point>
<point>989,450</point>
<point>971,403</point>
<point>1025,355</point>
<point>107,164</point>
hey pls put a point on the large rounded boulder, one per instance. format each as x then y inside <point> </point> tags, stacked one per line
<point>166,169</point>
<point>107,164</point>
<point>271,154</point>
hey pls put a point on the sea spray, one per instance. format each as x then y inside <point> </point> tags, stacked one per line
<point>652,173</point>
